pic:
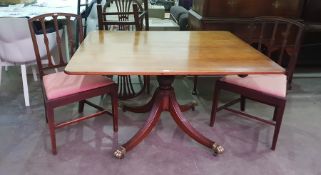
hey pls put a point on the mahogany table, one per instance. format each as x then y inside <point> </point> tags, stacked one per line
<point>167,54</point>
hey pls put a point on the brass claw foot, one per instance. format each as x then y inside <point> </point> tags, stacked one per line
<point>120,152</point>
<point>218,149</point>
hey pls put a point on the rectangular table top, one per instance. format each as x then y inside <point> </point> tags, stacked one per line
<point>168,53</point>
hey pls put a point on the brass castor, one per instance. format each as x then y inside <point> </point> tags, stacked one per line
<point>120,152</point>
<point>218,149</point>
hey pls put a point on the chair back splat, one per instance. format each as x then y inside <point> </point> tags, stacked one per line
<point>51,27</point>
<point>126,15</point>
<point>279,39</point>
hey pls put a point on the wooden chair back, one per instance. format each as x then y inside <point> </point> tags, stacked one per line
<point>62,28</point>
<point>278,38</point>
<point>130,13</point>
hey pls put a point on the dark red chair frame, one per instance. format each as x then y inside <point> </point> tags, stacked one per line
<point>283,31</point>
<point>81,97</point>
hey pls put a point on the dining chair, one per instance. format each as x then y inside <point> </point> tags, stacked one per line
<point>59,88</point>
<point>278,38</point>
<point>127,15</point>
<point>89,15</point>
<point>16,49</point>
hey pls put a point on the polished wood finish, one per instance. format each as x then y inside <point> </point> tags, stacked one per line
<point>128,17</point>
<point>278,38</point>
<point>164,100</point>
<point>168,53</point>
<point>73,42</point>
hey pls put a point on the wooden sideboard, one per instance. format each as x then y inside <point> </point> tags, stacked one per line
<point>233,15</point>
<point>204,12</point>
<point>311,46</point>
<point>312,11</point>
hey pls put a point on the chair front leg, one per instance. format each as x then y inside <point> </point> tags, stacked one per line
<point>51,125</point>
<point>81,105</point>
<point>34,73</point>
<point>242,103</point>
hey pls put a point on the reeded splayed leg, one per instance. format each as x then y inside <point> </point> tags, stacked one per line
<point>164,100</point>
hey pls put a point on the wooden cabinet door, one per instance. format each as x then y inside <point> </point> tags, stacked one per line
<point>312,11</point>
<point>238,8</point>
<point>286,8</point>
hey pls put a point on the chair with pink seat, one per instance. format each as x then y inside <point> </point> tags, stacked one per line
<point>279,39</point>
<point>59,88</point>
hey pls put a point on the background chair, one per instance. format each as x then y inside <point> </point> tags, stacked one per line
<point>127,15</point>
<point>16,49</point>
<point>59,88</point>
<point>89,14</point>
<point>279,39</point>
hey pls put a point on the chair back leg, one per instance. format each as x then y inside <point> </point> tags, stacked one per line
<point>25,84</point>
<point>0,74</point>
<point>34,73</point>
<point>194,92</point>
<point>215,104</point>
<point>278,116</point>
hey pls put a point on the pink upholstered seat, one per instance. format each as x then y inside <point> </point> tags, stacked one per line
<point>269,84</point>
<point>60,84</point>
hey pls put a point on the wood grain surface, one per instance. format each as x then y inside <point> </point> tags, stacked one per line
<point>168,53</point>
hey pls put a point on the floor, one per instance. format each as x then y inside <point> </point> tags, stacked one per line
<point>86,148</point>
